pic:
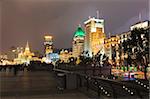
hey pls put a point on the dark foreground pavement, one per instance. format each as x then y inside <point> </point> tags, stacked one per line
<point>43,85</point>
<point>33,85</point>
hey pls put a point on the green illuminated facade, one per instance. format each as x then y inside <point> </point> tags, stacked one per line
<point>78,42</point>
<point>79,32</point>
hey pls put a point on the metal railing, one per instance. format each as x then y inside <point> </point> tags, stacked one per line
<point>108,87</point>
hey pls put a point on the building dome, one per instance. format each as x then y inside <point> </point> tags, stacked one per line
<point>79,32</point>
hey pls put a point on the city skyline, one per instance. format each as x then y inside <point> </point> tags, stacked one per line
<point>36,20</point>
<point>70,49</point>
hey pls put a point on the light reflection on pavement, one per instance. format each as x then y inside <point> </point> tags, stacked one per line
<point>33,85</point>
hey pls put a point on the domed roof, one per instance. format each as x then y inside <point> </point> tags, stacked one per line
<point>79,32</point>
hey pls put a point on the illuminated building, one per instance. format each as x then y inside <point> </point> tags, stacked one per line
<point>144,39</point>
<point>27,51</point>
<point>51,58</point>
<point>24,57</point>
<point>111,49</point>
<point>3,56</point>
<point>54,57</point>
<point>78,42</point>
<point>3,59</point>
<point>65,55</point>
<point>48,44</point>
<point>135,68</point>
<point>122,38</point>
<point>13,52</point>
<point>146,26</point>
<point>126,35</point>
<point>94,39</point>
<point>140,24</point>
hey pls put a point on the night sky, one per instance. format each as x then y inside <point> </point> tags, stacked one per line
<point>30,20</point>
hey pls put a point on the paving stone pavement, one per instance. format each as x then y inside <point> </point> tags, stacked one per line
<point>33,85</point>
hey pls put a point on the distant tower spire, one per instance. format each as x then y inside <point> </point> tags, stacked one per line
<point>27,46</point>
<point>140,17</point>
<point>97,14</point>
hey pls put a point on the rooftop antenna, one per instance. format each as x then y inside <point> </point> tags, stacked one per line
<point>109,35</point>
<point>97,14</point>
<point>140,17</point>
<point>79,25</point>
<point>89,17</point>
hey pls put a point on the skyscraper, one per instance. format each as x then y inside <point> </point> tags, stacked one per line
<point>94,39</point>
<point>48,44</point>
<point>78,42</point>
